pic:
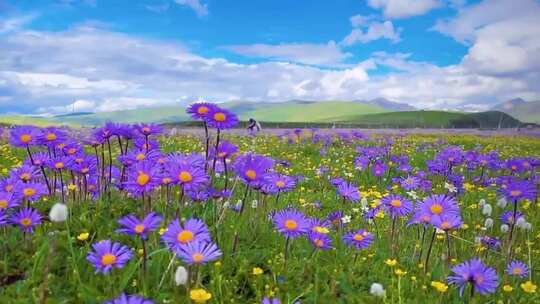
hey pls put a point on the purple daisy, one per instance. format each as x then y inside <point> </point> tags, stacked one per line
<point>517,268</point>
<point>198,252</point>
<point>447,221</point>
<point>192,230</point>
<point>23,136</point>
<point>225,149</point>
<point>133,225</point>
<point>321,241</point>
<point>4,219</point>
<point>106,255</point>
<point>435,205</point>
<point>142,178</point>
<point>291,222</point>
<point>200,110</point>
<point>26,218</point>
<point>147,129</point>
<point>8,200</point>
<point>483,278</point>
<point>267,300</point>
<point>129,299</point>
<point>30,191</point>
<point>51,136</point>
<point>360,238</point>
<point>251,167</point>
<point>518,189</point>
<point>348,191</point>
<point>220,118</point>
<point>188,176</point>
<point>507,217</point>
<point>275,182</point>
<point>25,173</point>
<point>397,205</point>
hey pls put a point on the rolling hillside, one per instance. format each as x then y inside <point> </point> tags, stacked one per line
<point>526,111</point>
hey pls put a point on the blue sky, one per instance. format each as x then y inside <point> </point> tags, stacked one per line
<point>97,55</point>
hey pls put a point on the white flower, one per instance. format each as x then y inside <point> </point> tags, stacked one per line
<point>486,210</point>
<point>377,290</point>
<point>227,204</point>
<point>346,219</point>
<point>412,194</point>
<point>482,202</point>
<point>181,276</point>
<point>527,226</point>
<point>502,202</point>
<point>59,213</point>
<point>363,202</point>
<point>504,228</point>
<point>521,222</point>
<point>477,240</point>
<point>488,223</point>
<point>450,187</point>
<point>254,204</point>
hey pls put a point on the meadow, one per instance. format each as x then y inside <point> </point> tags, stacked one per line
<point>133,214</point>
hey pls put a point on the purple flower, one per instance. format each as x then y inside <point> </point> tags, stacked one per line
<point>335,217</point>
<point>251,168</point>
<point>291,222</point>
<point>518,189</point>
<point>220,118</point>
<point>436,205</point>
<point>8,200</point>
<point>30,191</point>
<point>188,176</point>
<point>320,241</point>
<point>410,182</point>
<point>51,136</point>
<point>142,178</point>
<point>483,278</point>
<point>26,218</point>
<point>4,219</point>
<point>378,168</point>
<point>275,182</point>
<point>397,205</point>
<point>200,110</point>
<point>147,129</point>
<point>129,299</point>
<point>193,230</point>
<point>267,300</point>
<point>360,238</point>
<point>508,217</point>
<point>517,268</point>
<point>198,252</point>
<point>106,255</point>
<point>348,191</point>
<point>447,221</point>
<point>60,163</point>
<point>133,225</point>
<point>23,136</point>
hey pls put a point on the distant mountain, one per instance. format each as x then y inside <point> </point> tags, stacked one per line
<point>390,105</point>
<point>526,111</point>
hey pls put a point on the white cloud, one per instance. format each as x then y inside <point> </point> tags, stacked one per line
<point>307,53</point>
<point>504,36</point>
<point>373,31</point>
<point>404,8</point>
<point>15,23</point>
<point>361,20</point>
<point>201,9</point>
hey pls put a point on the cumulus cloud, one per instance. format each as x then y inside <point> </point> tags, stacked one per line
<point>373,31</point>
<point>404,8</point>
<point>307,53</point>
<point>201,9</point>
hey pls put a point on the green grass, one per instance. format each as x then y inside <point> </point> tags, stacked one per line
<point>50,264</point>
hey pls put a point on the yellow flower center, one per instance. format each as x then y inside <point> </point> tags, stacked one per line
<point>185,236</point>
<point>251,174</point>
<point>517,270</point>
<point>515,193</point>
<point>166,180</point>
<point>318,242</point>
<point>108,259</point>
<point>358,237</point>
<point>185,177</point>
<point>436,208</point>
<point>146,130</point>
<point>445,225</point>
<point>143,178</point>
<point>3,204</point>
<point>291,224</point>
<point>320,229</point>
<point>51,136</point>
<point>395,203</point>
<point>139,228</point>
<point>59,165</point>
<point>26,138</point>
<point>71,150</point>
<point>202,110</point>
<point>25,176</point>
<point>26,221</point>
<point>280,183</point>
<point>29,191</point>
<point>197,257</point>
<point>220,116</point>
<point>140,156</point>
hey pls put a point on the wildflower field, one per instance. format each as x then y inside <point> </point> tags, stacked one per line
<point>133,214</point>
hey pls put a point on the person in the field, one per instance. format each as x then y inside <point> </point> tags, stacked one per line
<point>253,127</point>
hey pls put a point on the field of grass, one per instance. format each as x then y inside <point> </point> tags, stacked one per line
<point>50,265</point>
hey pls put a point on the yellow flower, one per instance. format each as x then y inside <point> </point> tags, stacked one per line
<point>217,264</point>
<point>162,231</point>
<point>440,286</point>
<point>257,271</point>
<point>400,272</point>
<point>508,288</point>
<point>199,295</point>
<point>83,236</point>
<point>413,278</point>
<point>528,287</point>
<point>391,262</point>
<point>72,187</point>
